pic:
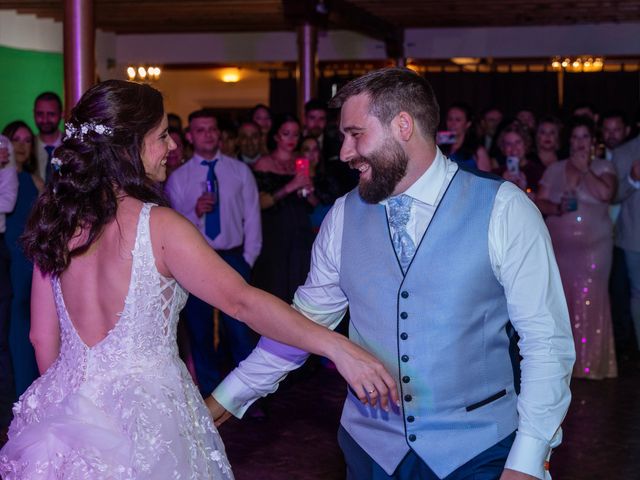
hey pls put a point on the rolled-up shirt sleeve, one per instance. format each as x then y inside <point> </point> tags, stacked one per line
<point>523,261</point>
<point>321,299</point>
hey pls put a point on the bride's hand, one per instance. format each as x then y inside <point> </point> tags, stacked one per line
<point>365,374</point>
<point>218,412</point>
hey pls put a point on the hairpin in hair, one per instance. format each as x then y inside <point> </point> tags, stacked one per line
<point>56,163</point>
<point>71,131</point>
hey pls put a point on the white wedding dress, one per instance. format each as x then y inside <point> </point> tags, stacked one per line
<point>125,408</point>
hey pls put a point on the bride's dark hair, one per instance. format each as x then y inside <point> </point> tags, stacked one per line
<point>93,169</point>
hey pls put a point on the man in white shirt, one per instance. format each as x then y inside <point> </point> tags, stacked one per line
<point>8,195</point>
<point>218,194</point>
<point>47,113</point>
<point>626,159</point>
<point>433,262</point>
<point>614,131</point>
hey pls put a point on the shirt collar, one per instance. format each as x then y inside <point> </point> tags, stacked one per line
<point>198,159</point>
<point>426,188</point>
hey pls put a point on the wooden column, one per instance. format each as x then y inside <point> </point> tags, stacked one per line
<point>560,81</point>
<point>307,74</point>
<point>79,50</point>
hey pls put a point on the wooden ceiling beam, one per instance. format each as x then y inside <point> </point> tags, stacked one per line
<point>346,14</point>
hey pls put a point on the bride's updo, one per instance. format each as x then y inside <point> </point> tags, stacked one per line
<point>99,160</point>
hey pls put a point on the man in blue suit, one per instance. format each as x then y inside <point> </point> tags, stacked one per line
<point>433,262</point>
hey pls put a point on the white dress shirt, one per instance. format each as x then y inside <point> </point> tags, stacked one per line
<point>240,222</point>
<point>8,193</point>
<point>522,260</point>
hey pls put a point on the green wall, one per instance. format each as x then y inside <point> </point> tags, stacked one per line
<point>23,75</point>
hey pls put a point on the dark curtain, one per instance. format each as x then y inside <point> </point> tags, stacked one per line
<point>283,95</point>
<point>537,91</point>
<point>508,91</point>
<point>605,90</point>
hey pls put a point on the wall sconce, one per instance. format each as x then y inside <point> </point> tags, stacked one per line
<point>465,60</point>
<point>583,63</point>
<point>143,74</point>
<point>230,75</point>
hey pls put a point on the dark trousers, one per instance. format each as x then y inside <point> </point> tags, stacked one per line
<point>488,465</point>
<point>236,338</point>
<point>7,387</point>
<point>619,292</point>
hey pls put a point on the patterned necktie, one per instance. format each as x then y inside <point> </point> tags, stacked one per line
<point>399,212</point>
<point>212,220</point>
<point>47,173</point>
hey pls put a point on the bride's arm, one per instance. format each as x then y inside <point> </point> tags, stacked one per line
<point>45,328</point>
<point>184,254</point>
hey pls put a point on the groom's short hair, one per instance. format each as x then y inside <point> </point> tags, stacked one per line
<point>394,90</point>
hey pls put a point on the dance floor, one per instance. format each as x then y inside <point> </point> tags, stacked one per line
<point>298,439</point>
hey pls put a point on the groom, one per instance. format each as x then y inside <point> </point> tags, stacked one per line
<point>433,262</point>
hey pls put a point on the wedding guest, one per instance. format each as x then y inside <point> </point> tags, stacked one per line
<point>548,140</point>
<point>29,187</point>
<point>249,143</point>
<point>218,195</point>
<point>466,151</point>
<point>488,125</point>
<point>286,200</point>
<point>229,140</point>
<point>175,122</point>
<point>626,159</point>
<point>574,195</point>
<point>176,157</point>
<point>47,113</point>
<point>325,187</point>
<point>614,130</point>
<point>8,195</point>
<point>261,115</point>
<point>515,143</point>
<point>527,119</point>
<point>111,262</point>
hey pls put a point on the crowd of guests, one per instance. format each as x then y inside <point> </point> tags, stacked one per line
<point>258,190</point>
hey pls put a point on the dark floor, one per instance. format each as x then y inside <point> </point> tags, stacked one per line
<point>298,440</point>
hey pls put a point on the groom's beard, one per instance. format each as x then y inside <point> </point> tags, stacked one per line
<point>388,165</point>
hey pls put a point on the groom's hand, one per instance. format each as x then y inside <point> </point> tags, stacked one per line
<point>218,412</point>
<point>508,474</point>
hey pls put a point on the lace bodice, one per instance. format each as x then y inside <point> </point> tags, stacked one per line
<point>143,339</point>
<point>129,394</point>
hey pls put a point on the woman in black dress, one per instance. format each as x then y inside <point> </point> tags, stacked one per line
<point>286,200</point>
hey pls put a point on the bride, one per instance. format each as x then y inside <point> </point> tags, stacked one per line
<point>114,400</point>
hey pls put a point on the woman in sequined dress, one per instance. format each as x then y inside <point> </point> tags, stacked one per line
<point>114,400</point>
<point>574,194</point>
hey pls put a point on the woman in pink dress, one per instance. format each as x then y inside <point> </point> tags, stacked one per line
<point>574,195</point>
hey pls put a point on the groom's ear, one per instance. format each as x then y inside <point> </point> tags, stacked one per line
<point>403,126</point>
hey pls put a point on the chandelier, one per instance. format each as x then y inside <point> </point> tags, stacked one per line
<point>143,73</point>
<point>582,63</point>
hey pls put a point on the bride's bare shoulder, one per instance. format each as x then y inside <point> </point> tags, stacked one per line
<point>168,222</point>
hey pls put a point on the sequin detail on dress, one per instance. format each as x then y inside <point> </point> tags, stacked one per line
<point>125,408</point>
